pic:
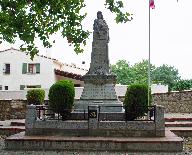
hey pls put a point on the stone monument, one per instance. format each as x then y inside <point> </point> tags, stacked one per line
<point>99,82</point>
<point>106,132</point>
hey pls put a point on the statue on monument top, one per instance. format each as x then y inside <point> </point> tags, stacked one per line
<point>100,27</point>
<point>99,55</point>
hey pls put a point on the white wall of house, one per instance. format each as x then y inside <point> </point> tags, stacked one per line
<point>159,88</point>
<point>16,58</point>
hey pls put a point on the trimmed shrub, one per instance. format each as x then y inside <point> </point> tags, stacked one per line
<point>61,98</point>
<point>136,101</point>
<point>35,96</point>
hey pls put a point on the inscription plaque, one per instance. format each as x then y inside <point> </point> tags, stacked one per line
<point>92,114</point>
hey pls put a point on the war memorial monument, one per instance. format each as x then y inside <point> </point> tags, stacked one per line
<point>102,125</point>
<point>99,82</point>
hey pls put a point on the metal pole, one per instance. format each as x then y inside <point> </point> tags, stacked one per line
<point>149,61</point>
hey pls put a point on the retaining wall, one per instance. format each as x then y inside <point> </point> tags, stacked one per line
<point>175,102</point>
<point>12,109</point>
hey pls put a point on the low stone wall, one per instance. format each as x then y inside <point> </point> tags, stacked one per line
<point>104,128</point>
<point>12,109</point>
<point>175,102</point>
<point>93,127</point>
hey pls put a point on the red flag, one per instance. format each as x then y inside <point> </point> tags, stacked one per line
<point>152,4</point>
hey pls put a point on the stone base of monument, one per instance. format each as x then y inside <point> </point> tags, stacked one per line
<point>95,133</point>
<point>169,143</point>
<point>105,105</point>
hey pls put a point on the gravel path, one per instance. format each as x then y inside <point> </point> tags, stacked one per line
<point>187,151</point>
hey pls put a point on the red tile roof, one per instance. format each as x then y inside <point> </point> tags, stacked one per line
<point>69,75</point>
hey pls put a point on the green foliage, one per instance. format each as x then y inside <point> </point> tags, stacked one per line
<point>167,75</point>
<point>183,85</point>
<point>124,72</point>
<point>115,7</point>
<point>136,101</point>
<point>127,74</point>
<point>29,19</point>
<point>140,70</point>
<point>61,97</point>
<point>138,73</point>
<point>35,96</point>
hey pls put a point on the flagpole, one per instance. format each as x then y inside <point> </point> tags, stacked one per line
<point>149,56</point>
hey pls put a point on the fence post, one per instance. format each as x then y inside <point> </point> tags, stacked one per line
<point>92,118</point>
<point>31,116</point>
<point>159,120</point>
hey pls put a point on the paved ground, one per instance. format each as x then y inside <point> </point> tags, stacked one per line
<point>167,115</point>
<point>187,144</point>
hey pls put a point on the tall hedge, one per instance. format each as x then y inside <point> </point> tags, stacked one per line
<point>136,101</point>
<point>35,96</point>
<point>61,98</point>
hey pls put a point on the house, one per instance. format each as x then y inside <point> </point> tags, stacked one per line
<point>18,71</point>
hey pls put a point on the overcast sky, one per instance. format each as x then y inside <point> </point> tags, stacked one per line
<point>171,35</point>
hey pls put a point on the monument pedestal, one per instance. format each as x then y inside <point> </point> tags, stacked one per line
<point>105,105</point>
<point>99,90</point>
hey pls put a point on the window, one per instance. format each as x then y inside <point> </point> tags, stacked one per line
<point>6,87</point>
<point>77,85</point>
<point>22,87</point>
<point>6,68</point>
<point>34,86</point>
<point>31,68</point>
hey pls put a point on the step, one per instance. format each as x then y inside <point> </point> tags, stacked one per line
<point>178,119</point>
<point>16,123</point>
<point>170,143</point>
<point>178,124</point>
<point>9,130</point>
<point>181,131</point>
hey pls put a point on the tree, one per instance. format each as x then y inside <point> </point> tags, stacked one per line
<point>127,74</point>
<point>141,71</point>
<point>138,73</point>
<point>61,98</point>
<point>29,19</point>
<point>124,72</point>
<point>167,75</point>
<point>136,101</point>
<point>183,85</point>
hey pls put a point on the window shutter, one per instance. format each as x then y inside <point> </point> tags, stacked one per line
<point>38,68</point>
<point>24,68</point>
